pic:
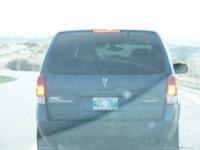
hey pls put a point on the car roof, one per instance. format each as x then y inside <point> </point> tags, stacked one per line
<point>121,30</point>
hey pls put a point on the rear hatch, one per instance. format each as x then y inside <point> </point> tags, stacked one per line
<point>118,75</point>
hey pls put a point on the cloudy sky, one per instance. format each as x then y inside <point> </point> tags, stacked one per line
<point>171,18</point>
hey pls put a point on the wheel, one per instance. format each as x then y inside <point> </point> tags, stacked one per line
<point>173,143</point>
<point>43,144</point>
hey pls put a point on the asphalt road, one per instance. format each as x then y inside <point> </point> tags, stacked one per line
<point>17,112</point>
<point>18,119</point>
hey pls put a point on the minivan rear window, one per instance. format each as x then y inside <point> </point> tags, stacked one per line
<point>106,53</point>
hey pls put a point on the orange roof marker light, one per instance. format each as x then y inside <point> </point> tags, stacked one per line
<point>106,31</point>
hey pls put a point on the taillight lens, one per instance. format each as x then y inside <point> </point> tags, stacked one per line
<point>40,89</point>
<point>171,90</point>
<point>171,83</point>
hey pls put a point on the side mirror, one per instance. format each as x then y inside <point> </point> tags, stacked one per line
<point>180,68</point>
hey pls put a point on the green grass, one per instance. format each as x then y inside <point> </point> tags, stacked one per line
<point>4,79</point>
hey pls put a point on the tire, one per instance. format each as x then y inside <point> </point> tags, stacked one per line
<point>43,144</point>
<point>173,143</point>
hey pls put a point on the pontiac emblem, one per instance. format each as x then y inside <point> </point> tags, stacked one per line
<point>105,82</point>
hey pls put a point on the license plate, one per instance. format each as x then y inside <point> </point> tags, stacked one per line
<point>105,103</point>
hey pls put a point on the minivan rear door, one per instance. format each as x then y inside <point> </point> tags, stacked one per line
<point>108,75</point>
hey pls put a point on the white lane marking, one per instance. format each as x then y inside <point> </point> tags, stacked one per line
<point>193,97</point>
<point>34,147</point>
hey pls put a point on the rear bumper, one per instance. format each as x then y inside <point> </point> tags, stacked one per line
<point>139,130</point>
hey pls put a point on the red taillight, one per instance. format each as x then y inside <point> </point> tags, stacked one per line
<point>171,83</point>
<point>171,90</point>
<point>105,31</point>
<point>40,89</point>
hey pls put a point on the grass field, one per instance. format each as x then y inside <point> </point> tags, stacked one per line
<point>4,79</point>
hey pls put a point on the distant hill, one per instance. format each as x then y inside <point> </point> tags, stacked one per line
<point>21,40</point>
<point>184,48</point>
<point>185,52</point>
<point>183,42</point>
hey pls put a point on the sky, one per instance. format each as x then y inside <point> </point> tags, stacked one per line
<point>178,19</point>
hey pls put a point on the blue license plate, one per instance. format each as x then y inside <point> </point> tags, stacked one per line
<point>105,103</point>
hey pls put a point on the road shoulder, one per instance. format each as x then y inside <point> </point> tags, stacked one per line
<point>4,79</point>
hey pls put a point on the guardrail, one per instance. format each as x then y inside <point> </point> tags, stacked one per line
<point>189,82</point>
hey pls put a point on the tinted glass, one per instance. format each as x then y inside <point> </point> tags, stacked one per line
<point>106,53</point>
